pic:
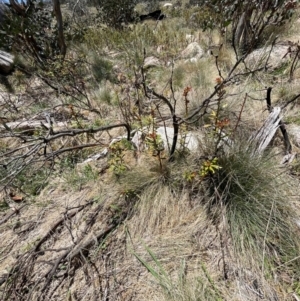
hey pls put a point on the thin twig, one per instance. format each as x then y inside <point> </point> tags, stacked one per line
<point>57,224</point>
<point>240,114</point>
<point>290,101</point>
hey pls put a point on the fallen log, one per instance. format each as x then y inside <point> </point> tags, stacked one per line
<point>27,125</point>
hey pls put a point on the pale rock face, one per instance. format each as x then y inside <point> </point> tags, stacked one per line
<point>191,139</point>
<point>274,57</point>
<point>151,61</point>
<point>294,133</point>
<point>189,38</point>
<point>193,52</point>
<point>193,60</point>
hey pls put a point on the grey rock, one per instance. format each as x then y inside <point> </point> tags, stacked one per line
<point>191,140</point>
<point>274,57</point>
<point>192,52</point>
<point>151,61</point>
<point>294,133</point>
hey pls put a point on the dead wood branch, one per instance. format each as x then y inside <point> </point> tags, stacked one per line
<point>75,132</point>
<point>266,133</point>
<point>69,149</point>
<point>61,39</point>
<point>79,249</point>
<point>58,223</point>
<point>287,143</point>
<point>72,252</point>
<point>16,160</point>
<point>9,215</point>
<point>27,125</point>
<point>31,277</point>
<point>290,101</point>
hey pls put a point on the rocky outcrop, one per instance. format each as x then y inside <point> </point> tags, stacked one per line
<point>189,140</point>
<point>192,52</point>
<point>294,132</point>
<point>272,57</point>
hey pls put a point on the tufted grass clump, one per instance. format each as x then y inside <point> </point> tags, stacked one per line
<point>102,70</point>
<point>255,197</point>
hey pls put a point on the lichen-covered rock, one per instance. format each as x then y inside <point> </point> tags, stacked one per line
<point>192,52</point>
<point>272,57</point>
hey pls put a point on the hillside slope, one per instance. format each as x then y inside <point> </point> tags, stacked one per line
<point>96,205</point>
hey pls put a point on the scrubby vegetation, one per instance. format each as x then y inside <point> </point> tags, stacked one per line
<point>153,160</point>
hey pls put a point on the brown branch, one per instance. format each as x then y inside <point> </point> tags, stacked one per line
<point>69,149</point>
<point>216,62</point>
<point>174,118</point>
<point>87,245</point>
<point>240,114</point>
<point>86,131</point>
<point>74,251</point>
<point>290,101</point>
<point>61,39</point>
<point>147,90</point>
<point>65,92</point>
<point>228,79</point>
<point>175,122</point>
<point>57,224</point>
